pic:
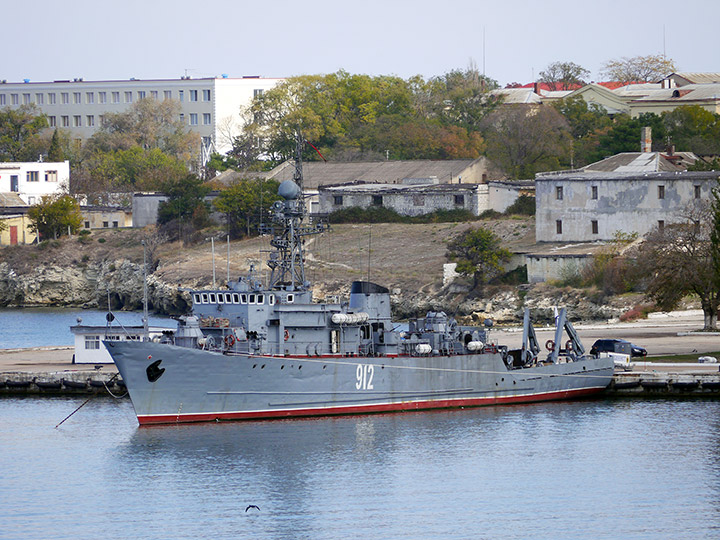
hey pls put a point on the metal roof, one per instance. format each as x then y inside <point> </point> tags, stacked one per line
<point>643,162</point>
<point>11,199</point>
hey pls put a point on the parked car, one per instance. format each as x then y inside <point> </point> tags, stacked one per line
<point>617,346</point>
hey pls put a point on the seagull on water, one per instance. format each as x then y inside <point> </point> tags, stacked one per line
<point>252,506</point>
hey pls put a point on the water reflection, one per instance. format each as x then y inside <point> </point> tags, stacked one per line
<point>591,469</point>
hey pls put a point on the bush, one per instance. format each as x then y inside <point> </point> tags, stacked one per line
<point>638,312</point>
<point>524,205</point>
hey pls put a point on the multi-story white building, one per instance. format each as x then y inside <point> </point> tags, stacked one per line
<point>209,106</point>
<point>32,180</point>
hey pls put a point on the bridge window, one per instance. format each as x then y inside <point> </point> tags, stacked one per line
<point>290,298</point>
<point>196,296</point>
<point>204,298</point>
<point>261,299</point>
<point>212,298</point>
<point>251,299</point>
<point>243,298</point>
<point>228,298</point>
<point>271,299</point>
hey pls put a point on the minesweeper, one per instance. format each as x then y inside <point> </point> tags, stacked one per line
<point>251,351</point>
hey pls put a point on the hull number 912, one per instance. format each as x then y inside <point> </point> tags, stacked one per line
<point>364,376</point>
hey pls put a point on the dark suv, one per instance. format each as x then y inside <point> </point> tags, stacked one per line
<point>617,346</point>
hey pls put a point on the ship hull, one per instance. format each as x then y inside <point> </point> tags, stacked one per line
<point>169,384</point>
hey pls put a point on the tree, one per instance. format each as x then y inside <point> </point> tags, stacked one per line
<point>684,258</point>
<point>693,129</point>
<point>186,200</point>
<point>625,133</point>
<point>19,132</point>
<point>638,68</point>
<point>586,122</point>
<point>478,253</point>
<point>55,152</point>
<point>564,76</point>
<point>149,124</point>
<point>245,202</point>
<point>524,140</point>
<point>54,216</point>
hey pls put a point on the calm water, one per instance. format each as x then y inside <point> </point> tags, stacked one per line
<point>594,469</point>
<point>41,327</point>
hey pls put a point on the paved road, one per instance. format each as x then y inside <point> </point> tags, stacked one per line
<point>658,335</point>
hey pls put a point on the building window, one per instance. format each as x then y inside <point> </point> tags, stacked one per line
<point>193,119</point>
<point>206,95</point>
<point>141,94</point>
<point>168,94</point>
<point>459,200</point>
<point>51,176</point>
<point>2,99</point>
<point>31,200</point>
<point>92,343</point>
<point>77,98</point>
<point>594,224</point>
<point>52,121</point>
<point>154,94</point>
<point>377,200</point>
<point>182,118</point>
<point>559,193</point>
<point>206,119</point>
<point>33,176</point>
<point>558,226</point>
<point>116,97</point>
<point>40,99</point>
<point>51,99</point>
<point>90,98</point>
<point>26,99</point>
<point>257,92</point>
<point>661,225</point>
<point>128,97</point>
<point>77,121</point>
<point>102,97</point>
<point>105,224</point>
<point>594,192</point>
<point>697,192</point>
<point>87,224</point>
<point>15,99</point>
<point>193,95</point>
<point>65,121</point>
<point>338,200</point>
<point>181,95</point>
<point>90,120</point>
<point>64,98</point>
<point>661,192</point>
<point>115,224</point>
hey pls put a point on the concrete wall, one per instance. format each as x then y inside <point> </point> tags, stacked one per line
<point>628,204</point>
<point>554,267</point>
<point>51,178</point>
<point>21,223</point>
<point>104,218</point>
<point>406,202</point>
<point>145,208</point>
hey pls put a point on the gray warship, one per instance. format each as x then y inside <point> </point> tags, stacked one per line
<point>254,351</point>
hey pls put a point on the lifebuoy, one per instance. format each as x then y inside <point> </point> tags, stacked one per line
<point>550,345</point>
<point>229,340</point>
<point>287,335</point>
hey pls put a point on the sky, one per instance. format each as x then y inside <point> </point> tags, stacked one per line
<point>511,41</point>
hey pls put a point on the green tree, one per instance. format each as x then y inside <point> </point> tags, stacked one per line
<point>625,133</point>
<point>55,152</point>
<point>19,133</point>
<point>55,216</point>
<point>587,122</point>
<point>244,204</point>
<point>693,129</point>
<point>649,68</point>
<point>563,75</point>
<point>478,253</point>
<point>523,140</point>
<point>185,202</point>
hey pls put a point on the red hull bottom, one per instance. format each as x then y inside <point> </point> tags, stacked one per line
<point>145,420</point>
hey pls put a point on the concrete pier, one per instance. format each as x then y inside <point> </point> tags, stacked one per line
<point>666,379</point>
<point>50,370</point>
